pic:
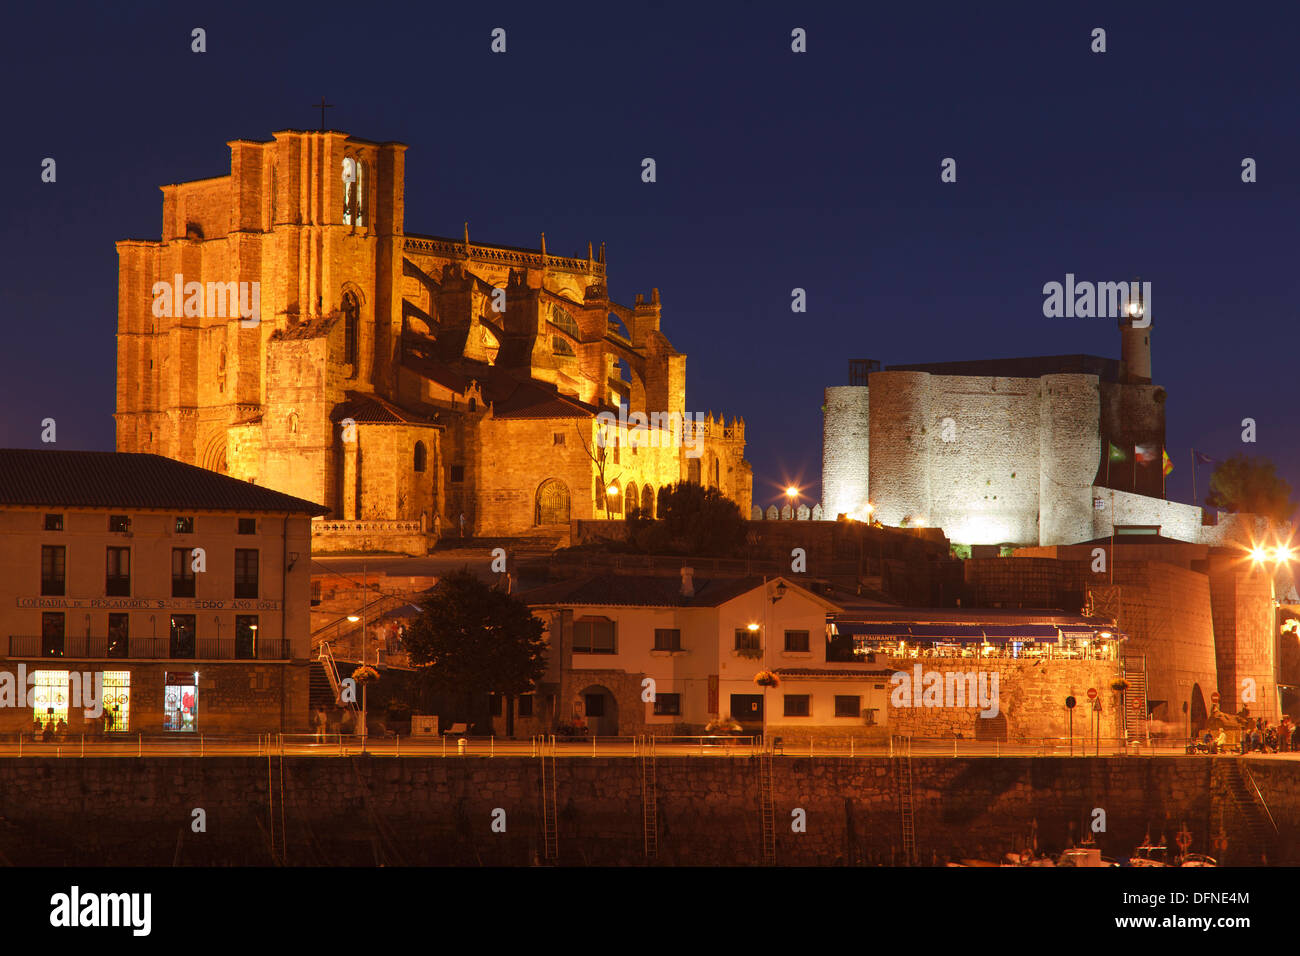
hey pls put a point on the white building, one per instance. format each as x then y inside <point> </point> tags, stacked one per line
<point>656,655</point>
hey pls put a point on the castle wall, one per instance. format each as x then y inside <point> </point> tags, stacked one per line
<point>846,431</point>
<point>900,435</point>
<point>1068,443</point>
<point>1244,631</point>
<point>1165,610</point>
<point>1176,520</point>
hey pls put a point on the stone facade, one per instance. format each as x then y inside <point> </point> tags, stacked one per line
<point>1002,452</point>
<point>388,376</point>
<point>1199,617</point>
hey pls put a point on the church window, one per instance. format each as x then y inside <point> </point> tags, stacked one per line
<point>221,370</point>
<point>560,347</point>
<point>293,423</point>
<point>473,404</point>
<point>421,456</point>
<point>565,321</point>
<point>351,328</point>
<point>354,192</point>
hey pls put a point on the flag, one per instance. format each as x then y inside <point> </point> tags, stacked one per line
<point>1203,459</point>
<point>1116,454</point>
<point>1144,454</point>
<point>1168,465</point>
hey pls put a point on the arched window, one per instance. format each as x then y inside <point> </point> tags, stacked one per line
<point>565,321</point>
<point>354,192</point>
<point>647,502</point>
<point>221,370</point>
<point>421,456</point>
<point>631,499</point>
<point>561,347</point>
<point>351,329</point>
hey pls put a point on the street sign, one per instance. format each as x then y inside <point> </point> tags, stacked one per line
<point>1092,693</point>
<point>1069,702</point>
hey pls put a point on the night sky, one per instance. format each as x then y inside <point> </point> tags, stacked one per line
<point>775,170</point>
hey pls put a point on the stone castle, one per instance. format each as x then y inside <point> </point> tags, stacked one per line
<point>288,331</point>
<point>1049,450</point>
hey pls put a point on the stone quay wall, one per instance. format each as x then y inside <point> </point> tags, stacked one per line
<point>440,811</point>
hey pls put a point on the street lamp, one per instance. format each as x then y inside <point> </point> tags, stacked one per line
<point>792,493</point>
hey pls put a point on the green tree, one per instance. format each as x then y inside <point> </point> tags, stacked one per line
<point>691,520</point>
<point>1252,486</point>
<point>472,640</point>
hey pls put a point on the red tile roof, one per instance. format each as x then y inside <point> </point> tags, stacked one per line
<point>105,479</point>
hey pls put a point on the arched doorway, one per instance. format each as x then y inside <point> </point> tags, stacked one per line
<point>647,502</point>
<point>1200,717</point>
<point>552,502</point>
<point>599,708</point>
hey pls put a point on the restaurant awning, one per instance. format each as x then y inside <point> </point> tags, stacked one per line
<point>993,633</point>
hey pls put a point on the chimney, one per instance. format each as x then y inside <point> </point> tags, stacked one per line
<point>688,582</point>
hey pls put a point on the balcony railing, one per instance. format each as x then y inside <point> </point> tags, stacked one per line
<point>155,648</point>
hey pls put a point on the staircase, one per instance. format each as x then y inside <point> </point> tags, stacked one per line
<point>1135,698</point>
<point>1257,826</point>
<point>649,801</point>
<point>767,808</point>
<point>550,830</point>
<point>905,807</point>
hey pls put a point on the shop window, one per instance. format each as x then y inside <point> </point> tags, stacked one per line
<point>117,701</point>
<point>117,582</point>
<point>847,705</point>
<point>53,569</point>
<point>50,698</point>
<point>668,704</point>
<point>797,705</point>
<point>180,702</point>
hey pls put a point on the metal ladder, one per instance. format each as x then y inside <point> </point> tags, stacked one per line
<point>279,847</point>
<point>649,800</point>
<point>905,807</point>
<point>767,808</point>
<point>550,829</point>
<point>1135,697</point>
